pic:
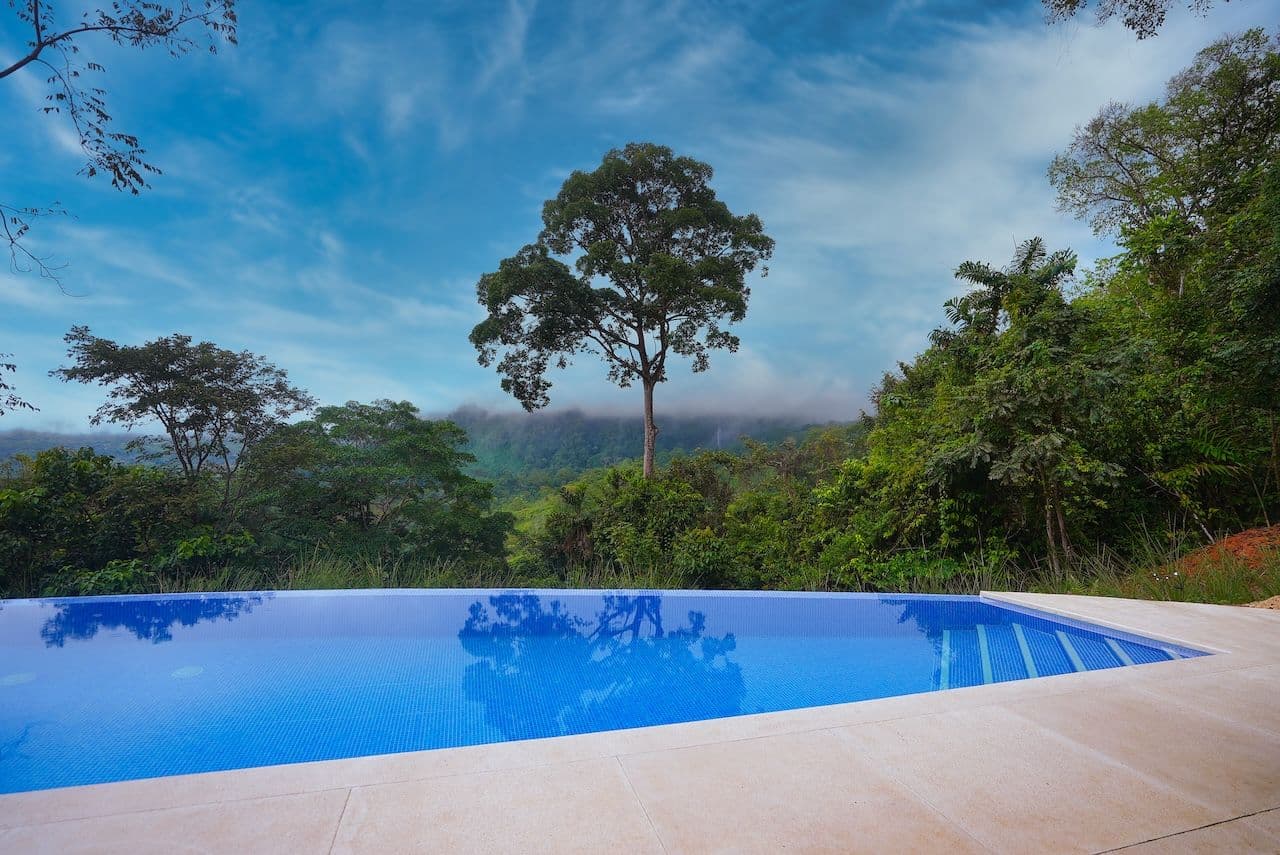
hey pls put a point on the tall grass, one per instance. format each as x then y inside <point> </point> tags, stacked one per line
<point>1226,580</point>
<point>321,570</point>
<point>1152,570</point>
<point>605,575</point>
<point>1155,571</point>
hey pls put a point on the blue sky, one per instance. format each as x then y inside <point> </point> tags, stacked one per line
<point>334,186</point>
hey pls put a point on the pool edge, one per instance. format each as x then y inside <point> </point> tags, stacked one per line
<point>219,788</point>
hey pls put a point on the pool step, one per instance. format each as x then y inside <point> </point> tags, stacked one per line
<point>1028,661</point>
<point>994,653</point>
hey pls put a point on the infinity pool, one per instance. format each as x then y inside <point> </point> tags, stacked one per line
<point>109,689</point>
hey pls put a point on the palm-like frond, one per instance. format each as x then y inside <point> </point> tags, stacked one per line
<point>1029,255</point>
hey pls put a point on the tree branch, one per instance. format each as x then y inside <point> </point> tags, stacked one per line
<point>135,32</point>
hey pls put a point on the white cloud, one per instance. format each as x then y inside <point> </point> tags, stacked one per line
<point>325,238</point>
<point>129,253</point>
<point>30,293</point>
<point>506,50</point>
<point>696,66</point>
<point>877,183</point>
<point>56,126</point>
<point>878,178</point>
<point>899,9</point>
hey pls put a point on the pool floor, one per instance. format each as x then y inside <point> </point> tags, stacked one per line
<point>1173,756</point>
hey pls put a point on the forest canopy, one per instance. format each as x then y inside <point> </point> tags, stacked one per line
<point>1059,417</point>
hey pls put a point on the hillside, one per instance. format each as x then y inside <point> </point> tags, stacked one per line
<point>523,451</point>
<point>14,442</point>
<point>519,452</point>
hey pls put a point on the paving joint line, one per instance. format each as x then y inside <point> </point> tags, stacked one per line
<point>1188,831</point>
<point>338,825</point>
<point>906,785</point>
<point>1150,778</point>
<point>185,806</point>
<point>662,844</point>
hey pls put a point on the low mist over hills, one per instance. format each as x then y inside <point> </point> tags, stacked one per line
<point>518,451</point>
<point>548,448</point>
<point>13,442</point>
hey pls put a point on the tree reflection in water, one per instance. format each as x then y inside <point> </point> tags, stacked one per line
<point>542,669</point>
<point>929,616</point>
<point>148,620</point>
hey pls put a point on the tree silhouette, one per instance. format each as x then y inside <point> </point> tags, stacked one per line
<point>149,620</point>
<point>661,268</point>
<point>543,669</point>
<point>53,47</point>
<point>1143,17</point>
<point>9,399</point>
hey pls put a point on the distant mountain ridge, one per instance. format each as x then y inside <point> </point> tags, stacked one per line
<point>29,442</point>
<point>518,451</point>
<point>524,450</point>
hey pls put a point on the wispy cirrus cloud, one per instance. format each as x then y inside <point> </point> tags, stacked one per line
<point>334,187</point>
<point>878,180</point>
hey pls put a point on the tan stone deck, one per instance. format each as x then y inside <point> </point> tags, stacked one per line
<point>1179,756</point>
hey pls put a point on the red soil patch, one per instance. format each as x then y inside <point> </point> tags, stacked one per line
<point>1248,547</point>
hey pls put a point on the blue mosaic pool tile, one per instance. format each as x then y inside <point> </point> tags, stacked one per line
<point>109,689</point>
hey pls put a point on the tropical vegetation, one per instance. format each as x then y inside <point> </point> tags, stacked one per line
<point>1065,429</point>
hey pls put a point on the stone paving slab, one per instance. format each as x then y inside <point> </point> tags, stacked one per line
<point>1180,756</point>
<point>1238,835</point>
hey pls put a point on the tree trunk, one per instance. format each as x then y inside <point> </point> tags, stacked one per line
<point>1063,540</point>
<point>1050,545</point>
<point>1275,447</point>
<point>650,429</point>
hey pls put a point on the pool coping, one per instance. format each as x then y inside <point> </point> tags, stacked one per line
<point>1245,645</point>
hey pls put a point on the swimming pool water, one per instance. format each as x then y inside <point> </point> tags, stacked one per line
<point>108,689</point>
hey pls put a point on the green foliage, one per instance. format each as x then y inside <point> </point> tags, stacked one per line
<point>213,404</point>
<point>1051,419</point>
<point>710,520</point>
<point>1043,419</point>
<point>117,576</point>
<point>1225,579</point>
<point>363,485</point>
<point>1159,175</point>
<point>524,452</point>
<point>375,479</point>
<point>1024,394</point>
<point>1143,17</point>
<point>1058,433</point>
<point>68,515</point>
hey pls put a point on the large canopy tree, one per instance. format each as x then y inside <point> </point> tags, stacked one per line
<point>1190,187</point>
<point>659,266</point>
<point>1023,395</point>
<point>1164,166</point>
<point>377,478</point>
<point>1159,176</point>
<point>213,404</point>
